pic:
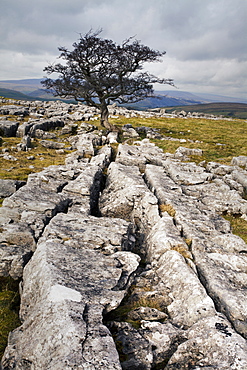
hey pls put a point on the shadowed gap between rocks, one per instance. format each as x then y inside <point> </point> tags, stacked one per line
<point>120,317</point>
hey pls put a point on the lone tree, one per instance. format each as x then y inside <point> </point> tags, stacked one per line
<point>99,72</point>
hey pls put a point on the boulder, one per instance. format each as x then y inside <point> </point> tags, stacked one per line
<point>52,144</point>
<point>239,161</point>
<point>8,128</point>
<point>130,133</point>
<point>211,343</point>
<point>24,129</point>
<point>8,187</point>
<point>25,144</point>
<point>14,110</point>
<point>139,155</point>
<point>182,151</point>
<point>46,125</point>
<point>38,200</point>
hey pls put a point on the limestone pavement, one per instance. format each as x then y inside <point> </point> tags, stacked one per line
<point>142,233</point>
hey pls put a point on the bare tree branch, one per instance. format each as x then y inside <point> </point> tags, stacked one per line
<point>98,71</point>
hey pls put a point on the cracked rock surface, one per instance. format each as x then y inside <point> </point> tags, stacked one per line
<point>127,264</point>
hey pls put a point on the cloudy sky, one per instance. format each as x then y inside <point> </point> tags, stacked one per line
<point>205,40</point>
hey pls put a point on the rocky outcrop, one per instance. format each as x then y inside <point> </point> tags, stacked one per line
<point>8,187</point>
<point>127,264</point>
<point>8,128</point>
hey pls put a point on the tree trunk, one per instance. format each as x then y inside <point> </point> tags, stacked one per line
<point>104,114</point>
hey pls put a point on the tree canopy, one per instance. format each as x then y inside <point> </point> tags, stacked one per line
<point>98,72</point>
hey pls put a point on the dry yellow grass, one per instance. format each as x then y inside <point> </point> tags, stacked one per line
<point>167,208</point>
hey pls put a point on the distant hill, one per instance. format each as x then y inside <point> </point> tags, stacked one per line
<point>31,89</point>
<point>42,94</point>
<point>13,94</point>
<point>202,97</point>
<point>231,110</point>
<point>220,98</point>
<point>160,101</point>
<point>24,86</point>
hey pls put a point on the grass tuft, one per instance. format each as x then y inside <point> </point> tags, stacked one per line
<point>183,251</point>
<point>238,225</point>
<point>167,208</point>
<point>9,307</point>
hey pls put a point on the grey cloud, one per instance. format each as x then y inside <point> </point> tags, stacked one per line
<point>193,32</point>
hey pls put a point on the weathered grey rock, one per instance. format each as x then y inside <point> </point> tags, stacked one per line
<point>8,128</point>
<point>103,157</point>
<point>182,151</point>
<point>36,199</point>
<point>219,169</point>
<point>190,300</point>
<point>41,134</point>
<point>24,129</point>
<point>84,144</point>
<point>8,187</point>
<point>17,244</point>
<point>71,297</point>
<point>46,125</point>
<point>76,157</point>
<point>241,178</point>
<point>164,339</point>
<point>239,161</point>
<point>218,195</point>
<point>186,173</point>
<point>84,190</point>
<point>69,129</point>
<point>9,215</point>
<point>220,273</point>
<point>139,155</point>
<point>30,209</point>
<point>135,348</point>
<point>235,185</point>
<point>14,110</point>
<point>9,157</point>
<point>112,137</point>
<point>123,189</point>
<point>164,236</point>
<point>211,344</point>
<point>52,144</point>
<point>161,185</point>
<point>146,313</point>
<point>91,232</point>
<point>130,133</point>
<point>25,144</point>
<point>53,178</point>
<point>217,260</point>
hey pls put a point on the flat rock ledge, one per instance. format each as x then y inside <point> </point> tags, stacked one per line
<point>133,269</point>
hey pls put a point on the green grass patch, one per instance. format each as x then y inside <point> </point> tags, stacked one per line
<point>230,110</point>
<point>9,307</point>
<point>239,226</point>
<point>127,305</point>
<point>217,138</point>
<point>22,167</point>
